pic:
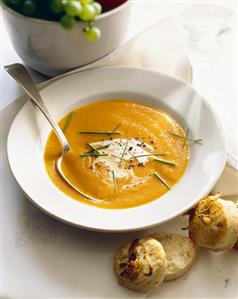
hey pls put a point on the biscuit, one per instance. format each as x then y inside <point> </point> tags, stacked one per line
<point>180,253</point>
<point>141,265</point>
<point>214,223</point>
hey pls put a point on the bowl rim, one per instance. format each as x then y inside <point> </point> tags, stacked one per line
<point>134,228</point>
<point>47,22</point>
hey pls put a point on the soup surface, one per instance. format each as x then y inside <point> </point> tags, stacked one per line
<point>123,153</point>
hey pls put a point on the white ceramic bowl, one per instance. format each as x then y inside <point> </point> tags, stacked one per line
<point>30,130</point>
<point>50,49</point>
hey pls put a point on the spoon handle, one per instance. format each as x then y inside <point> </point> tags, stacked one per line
<point>21,75</point>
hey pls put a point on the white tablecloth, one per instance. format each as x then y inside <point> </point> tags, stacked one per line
<point>43,258</point>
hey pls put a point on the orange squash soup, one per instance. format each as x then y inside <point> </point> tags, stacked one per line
<point>123,153</point>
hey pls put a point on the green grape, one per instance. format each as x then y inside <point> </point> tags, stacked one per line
<point>86,1</point>
<point>73,8</point>
<point>67,22</point>
<point>67,12</point>
<point>87,13</point>
<point>29,7</point>
<point>57,6</point>
<point>92,33</point>
<point>13,2</point>
<point>98,7</point>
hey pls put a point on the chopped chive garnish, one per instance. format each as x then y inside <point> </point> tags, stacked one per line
<point>186,137</point>
<point>92,155</point>
<point>116,157</point>
<point>68,120</point>
<point>114,181</point>
<point>164,161</point>
<point>199,141</point>
<point>98,148</point>
<point>100,133</point>
<point>93,148</point>
<point>157,176</point>
<point>193,141</point>
<point>115,129</point>
<point>147,155</point>
<point>103,146</point>
<point>123,154</point>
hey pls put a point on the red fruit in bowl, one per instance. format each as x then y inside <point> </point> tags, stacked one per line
<point>110,4</point>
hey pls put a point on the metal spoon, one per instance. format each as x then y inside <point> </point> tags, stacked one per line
<point>21,75</point>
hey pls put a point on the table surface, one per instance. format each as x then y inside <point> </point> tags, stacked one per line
<point>43,258</point>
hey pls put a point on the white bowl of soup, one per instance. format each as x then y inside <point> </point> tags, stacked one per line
<point>159,149</point>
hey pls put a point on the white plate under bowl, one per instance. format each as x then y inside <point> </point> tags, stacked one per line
<point>29,131</point>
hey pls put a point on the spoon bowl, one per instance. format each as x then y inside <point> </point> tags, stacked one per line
<point>61,172</point>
